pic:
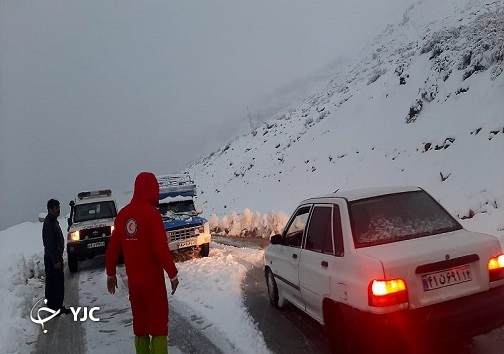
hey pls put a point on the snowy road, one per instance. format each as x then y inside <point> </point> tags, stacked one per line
<point>221,306</point>
<point>63,335</point>
<point>289,330</point>
<point>113,334</point>
<point>207,314</point>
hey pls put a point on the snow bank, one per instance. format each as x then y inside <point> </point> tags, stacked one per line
<point>21,284</point>
<point>249,224</point>
<point>210,291</point>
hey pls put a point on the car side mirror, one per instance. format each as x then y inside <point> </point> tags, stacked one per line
<point>276,239</point>
<point>69,220</point>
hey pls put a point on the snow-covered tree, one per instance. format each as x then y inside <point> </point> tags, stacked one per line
<point>234,224</point>
<point>214,223</point>
<point>277,222</point>
<point>264,229</point>
<point>246,219</point>
<point>224,225</point>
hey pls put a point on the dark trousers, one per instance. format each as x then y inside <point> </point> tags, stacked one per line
<point>54,285</point>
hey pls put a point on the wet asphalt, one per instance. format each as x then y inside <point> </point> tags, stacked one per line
<point>285,330</point>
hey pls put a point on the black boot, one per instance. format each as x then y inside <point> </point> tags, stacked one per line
<point>65,310</point>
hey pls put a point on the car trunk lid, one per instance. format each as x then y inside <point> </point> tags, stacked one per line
<point>440,267</point>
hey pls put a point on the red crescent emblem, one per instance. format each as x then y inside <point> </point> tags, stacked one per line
<point>131,227</point>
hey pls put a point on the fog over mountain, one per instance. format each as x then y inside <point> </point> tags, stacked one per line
<point>93,92</point>
<point>422,105</point>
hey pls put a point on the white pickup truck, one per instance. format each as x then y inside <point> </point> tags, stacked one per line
<point>90,226</point>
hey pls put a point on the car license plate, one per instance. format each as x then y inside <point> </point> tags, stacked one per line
<point>96,244</point>
<point>186,244</point>
<point>446,277</point>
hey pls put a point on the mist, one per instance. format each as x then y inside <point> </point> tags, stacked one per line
<point>94,92</point>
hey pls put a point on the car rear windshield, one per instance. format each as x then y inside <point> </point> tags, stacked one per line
<point>93,211</point>
<point>397,217</point>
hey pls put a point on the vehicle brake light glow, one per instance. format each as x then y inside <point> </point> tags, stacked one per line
<point>384,287</point>
<point>496,262</point>
<point>387,292</point>
<point>496,268</point>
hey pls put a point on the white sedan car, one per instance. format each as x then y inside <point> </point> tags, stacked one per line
<point>386,263</point>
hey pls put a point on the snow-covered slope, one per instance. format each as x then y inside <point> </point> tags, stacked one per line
<point>423,105</point>
<point>21,283</point>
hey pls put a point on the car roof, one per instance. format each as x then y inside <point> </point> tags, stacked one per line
<point>93,200</point>
<point>356,194</point>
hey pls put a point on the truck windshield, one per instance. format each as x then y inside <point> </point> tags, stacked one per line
<point>397,217</point>
<point>92,211</point>
<point>180,207</point>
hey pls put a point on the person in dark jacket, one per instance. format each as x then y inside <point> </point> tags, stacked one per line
<point>140,235</point>
<point>52,238</point>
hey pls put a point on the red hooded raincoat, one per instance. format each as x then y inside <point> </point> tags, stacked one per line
<point>140,235</point>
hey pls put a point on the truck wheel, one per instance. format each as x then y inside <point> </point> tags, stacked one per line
<point>272,288</point>
<point>204,250</point>
<point>73,263</point>
<point>120,259</point>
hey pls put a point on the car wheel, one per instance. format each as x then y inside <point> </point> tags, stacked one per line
<point>204,250</point>
<point>336,331</point>
<point>73,263</point>
<point>120,259</point>
<point>272,288</point>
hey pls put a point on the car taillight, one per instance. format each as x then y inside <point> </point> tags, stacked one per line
<point>496,268</point>
<point>73,236</point>
<point>383,293</point>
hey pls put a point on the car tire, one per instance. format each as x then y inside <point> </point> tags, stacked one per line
<point>272,288</point>
<point>204,250</point>
<point>120,259</point>
<point>336,331</point>
<point>73,263</point>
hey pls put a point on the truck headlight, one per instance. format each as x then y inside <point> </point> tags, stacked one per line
<point>201,229</point>
<point>73,236</point>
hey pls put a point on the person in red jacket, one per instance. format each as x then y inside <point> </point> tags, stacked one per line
<point>140,235</point>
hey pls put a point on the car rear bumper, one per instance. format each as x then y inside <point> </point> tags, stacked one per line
<point>456,319</point>
<point>86,249</point>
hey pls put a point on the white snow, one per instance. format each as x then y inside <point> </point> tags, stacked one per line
<point>21,268</point>
<point>210,289</point>
<point>174,199</point>
<point>209,295</point>
<point>351,134</point>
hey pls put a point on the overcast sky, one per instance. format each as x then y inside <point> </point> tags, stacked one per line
<point>93,92</point>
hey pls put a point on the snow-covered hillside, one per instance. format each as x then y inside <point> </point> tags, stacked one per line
<point>423,106</point>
